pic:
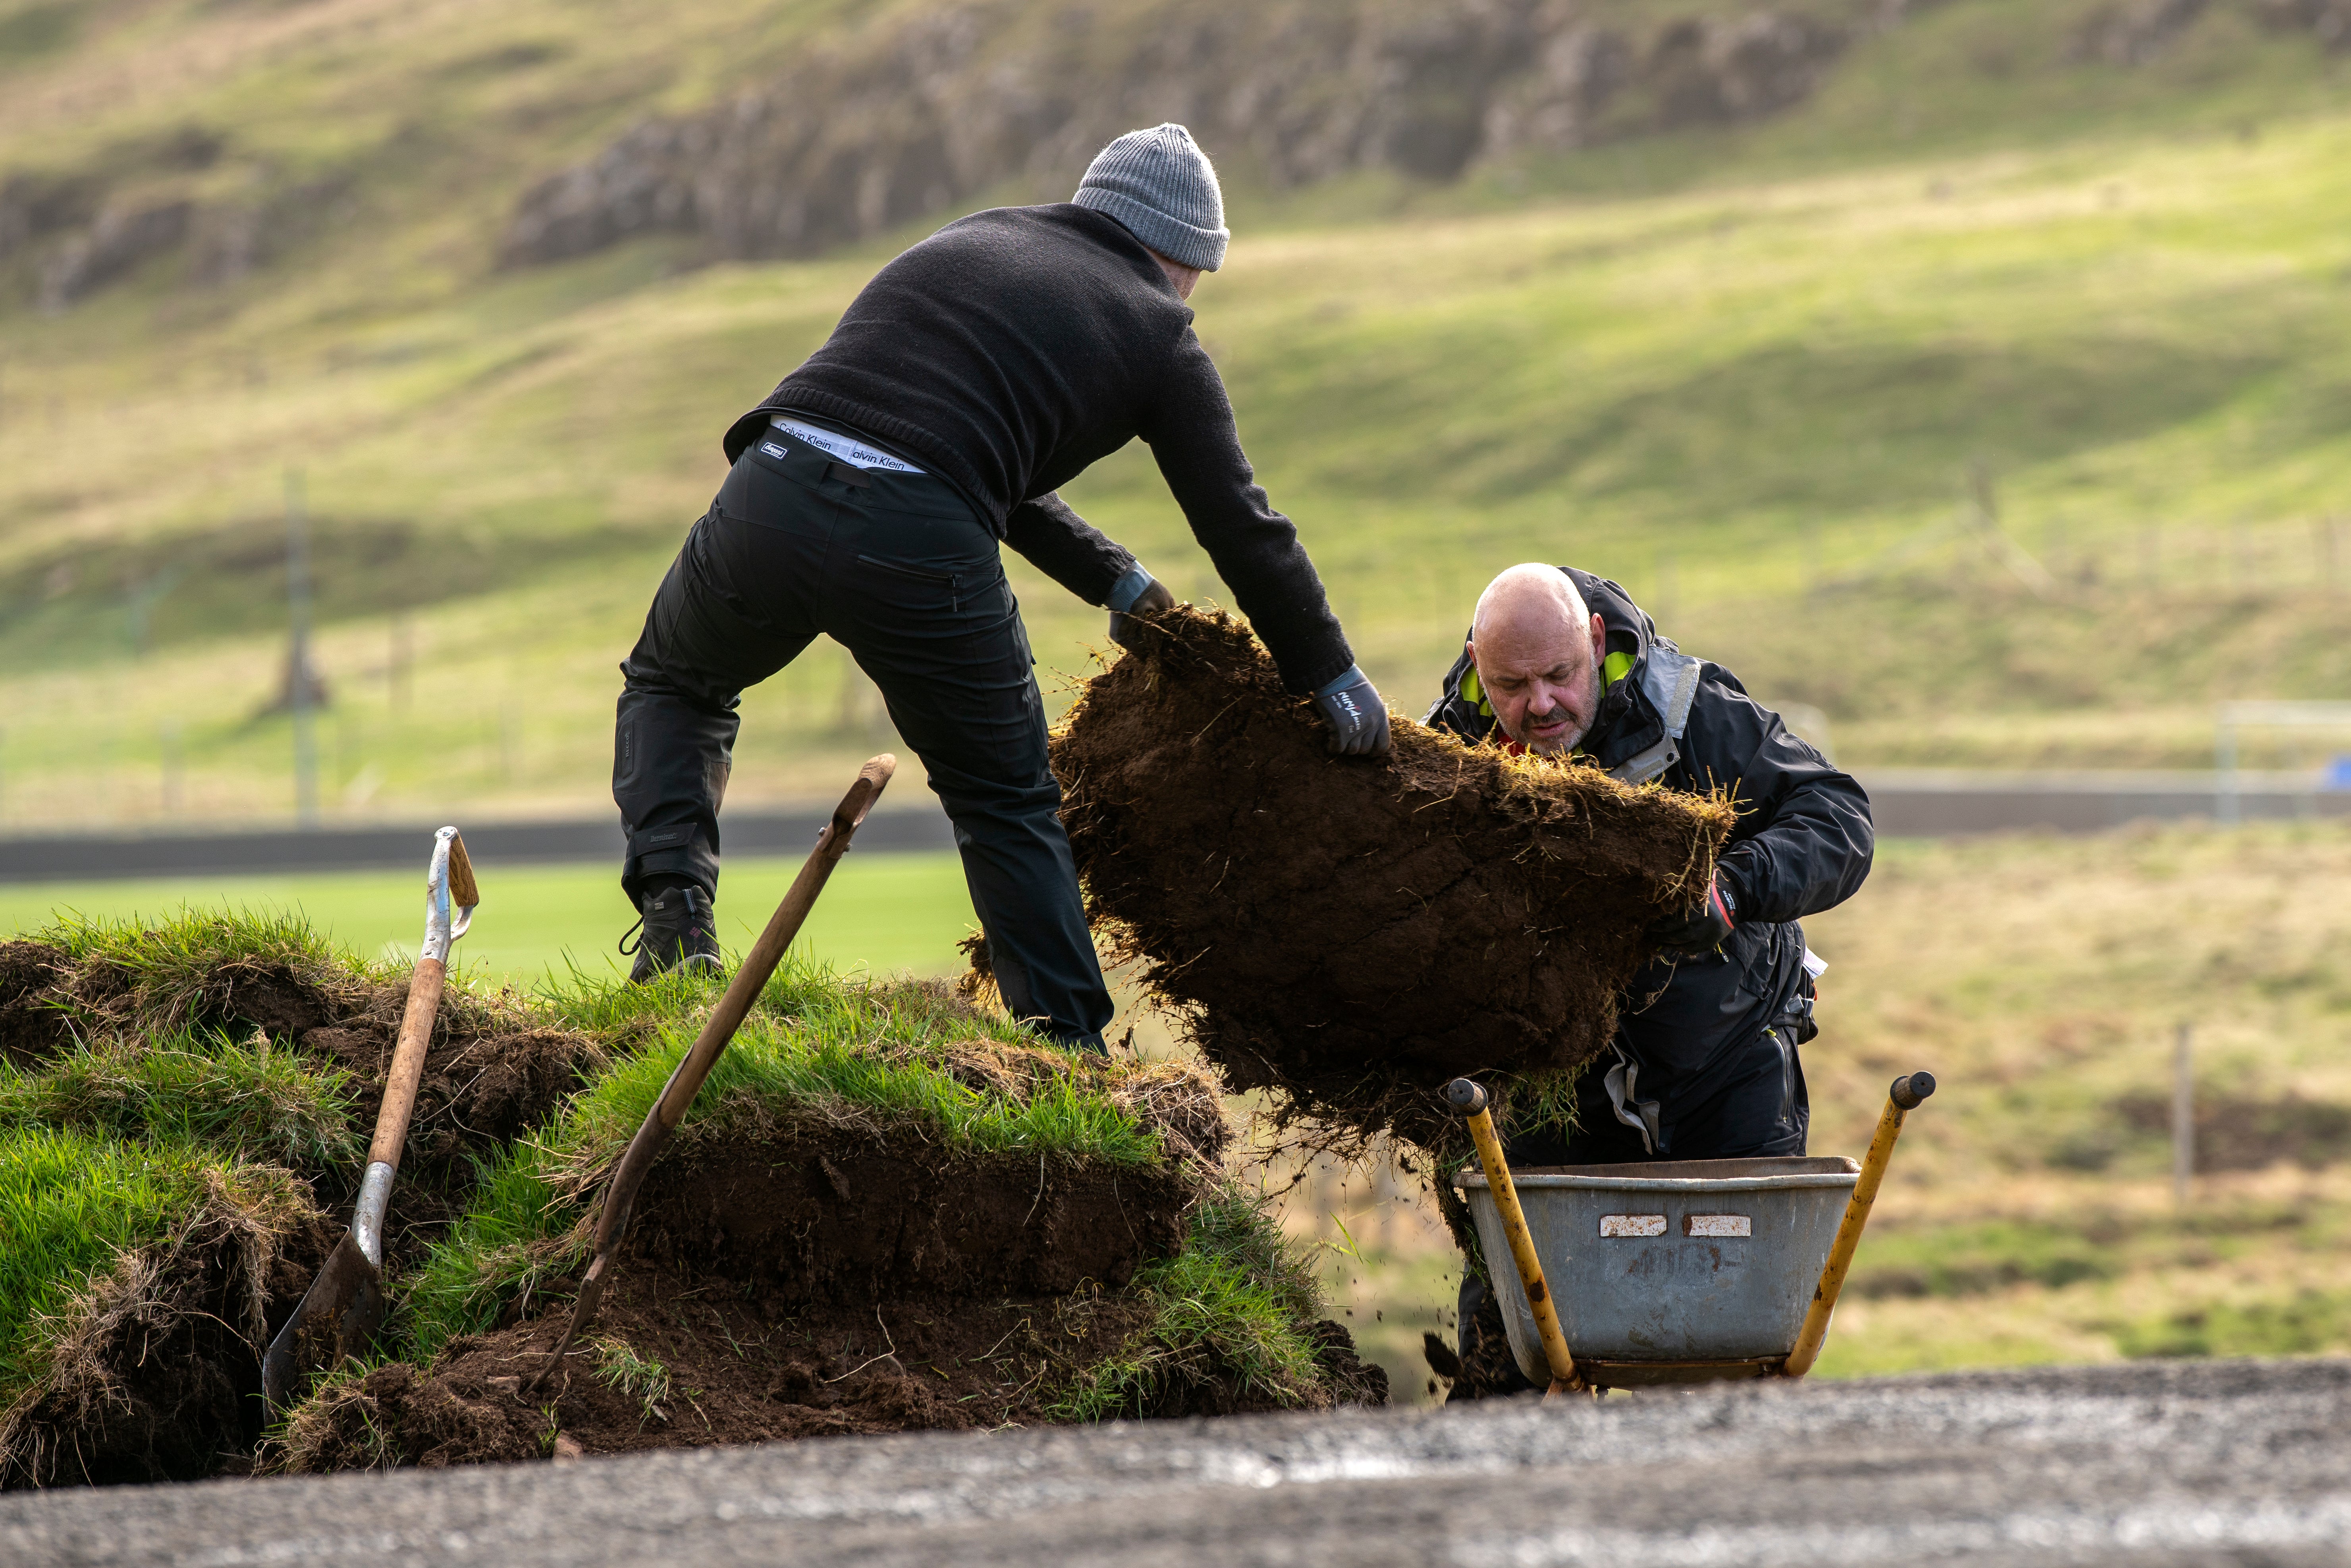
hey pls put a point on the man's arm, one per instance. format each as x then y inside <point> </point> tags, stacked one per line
<point>1805,840</point>
<point>1066,547</point>
<point>1255,548</point>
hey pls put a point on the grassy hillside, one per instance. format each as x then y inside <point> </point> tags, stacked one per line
<point>1749,370</point>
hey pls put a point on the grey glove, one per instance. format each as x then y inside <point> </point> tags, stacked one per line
<point>1358,719</point>
<point>1137,595</point>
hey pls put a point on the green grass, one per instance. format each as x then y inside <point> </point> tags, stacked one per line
<point>880,912</point>
<point>1233,1302</point>
<point>831,1053</point>
<point>1731,369</point>
<point>72,1202</point>
<point>621,1369</point>
<point>253,1101</point>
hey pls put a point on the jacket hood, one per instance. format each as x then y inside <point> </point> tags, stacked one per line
<point>1627,722</point>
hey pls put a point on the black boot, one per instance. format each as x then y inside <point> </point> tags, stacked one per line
<point>678,930</point>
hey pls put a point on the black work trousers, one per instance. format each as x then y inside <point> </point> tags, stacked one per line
<point>898,570</point>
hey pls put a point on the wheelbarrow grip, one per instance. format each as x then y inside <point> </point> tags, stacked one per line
<point>1906,1095</point>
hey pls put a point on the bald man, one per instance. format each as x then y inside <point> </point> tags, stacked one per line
<point>1704,1064</point>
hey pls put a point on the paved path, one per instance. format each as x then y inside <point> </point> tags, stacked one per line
<point>918,824</point>
<point>2154,1463</point>
<point>1909,802</point>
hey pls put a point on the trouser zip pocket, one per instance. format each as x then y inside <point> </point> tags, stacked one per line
<point>943,580</point>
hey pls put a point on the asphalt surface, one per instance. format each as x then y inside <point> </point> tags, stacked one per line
<point>916,824</point>
<point>2230,1462</point>
<point>1905,803</point>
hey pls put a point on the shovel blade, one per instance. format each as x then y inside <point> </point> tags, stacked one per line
<point>337,1320</point>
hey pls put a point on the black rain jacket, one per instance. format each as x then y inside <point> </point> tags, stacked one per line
<point>1803,844</point>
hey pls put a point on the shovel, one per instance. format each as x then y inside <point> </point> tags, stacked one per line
<point>686,1082</point>
<point>344,1303</point>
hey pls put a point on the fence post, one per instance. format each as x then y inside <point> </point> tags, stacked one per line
<point>175,769</point>
<point>400,666</point>
<point>298,686</point>
<point>2228,810</point>
<point>2183,1115</point>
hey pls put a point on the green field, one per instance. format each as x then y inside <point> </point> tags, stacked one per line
<point>883,913</point>
<point>1749,372</point>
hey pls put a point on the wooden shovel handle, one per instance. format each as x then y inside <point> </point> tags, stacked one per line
<point>407,1062</point>
<point>769,951</point>
<point>758,964</point>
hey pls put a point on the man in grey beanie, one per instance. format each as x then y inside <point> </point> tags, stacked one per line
<point>975,375</point>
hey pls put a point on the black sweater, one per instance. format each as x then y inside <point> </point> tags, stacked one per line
<point>1013,347</point>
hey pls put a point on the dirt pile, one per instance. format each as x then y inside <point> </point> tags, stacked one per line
<point>157,1368</point>
<point>490,1072</point>
<point>818,1286</point>
<point>1348,933</point>
<point>158,1375</point>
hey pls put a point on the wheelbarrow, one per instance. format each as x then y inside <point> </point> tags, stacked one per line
<point>1630,1276</point>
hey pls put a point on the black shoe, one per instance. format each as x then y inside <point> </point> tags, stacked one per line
<point>678,930</point>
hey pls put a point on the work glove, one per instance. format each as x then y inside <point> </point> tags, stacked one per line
<point>1136,595</point>
<point>1702,927</point>
<point>1358,719</point>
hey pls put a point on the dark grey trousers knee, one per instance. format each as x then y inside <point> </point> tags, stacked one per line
<point>897,570</point>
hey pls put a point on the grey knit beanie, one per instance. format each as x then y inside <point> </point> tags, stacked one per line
<point>1164,189</point>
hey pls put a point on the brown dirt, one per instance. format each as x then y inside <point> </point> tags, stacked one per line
<point>2248,1133</point>
<point>1489,1371</point>
<point>816,1217</point>
<point>1351,932</point>
<point>752,1371</point>
<point>159,1378</point>
<point>811,1287</point>
<point>30,1028</point>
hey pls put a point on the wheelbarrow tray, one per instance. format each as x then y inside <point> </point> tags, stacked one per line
<point>1668,1272</point>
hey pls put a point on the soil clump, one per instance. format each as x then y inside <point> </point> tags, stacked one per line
<point>489,1074</point>
<point>159,1377</point>
<point>1350,933</point>
<point>30,1029</point>
<point>811,1218</point>
<point>818,1286</point>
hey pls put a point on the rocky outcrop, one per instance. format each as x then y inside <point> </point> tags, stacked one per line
<point>2329,21</point>
<point>911,115</point>
<point>2134,33</point>
<point>123,236</point>
<point>94,241</point>
<point>33,207</point>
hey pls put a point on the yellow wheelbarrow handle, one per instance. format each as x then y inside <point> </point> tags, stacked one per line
<point>1907,1093</point>
<point>1469,1098</point>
